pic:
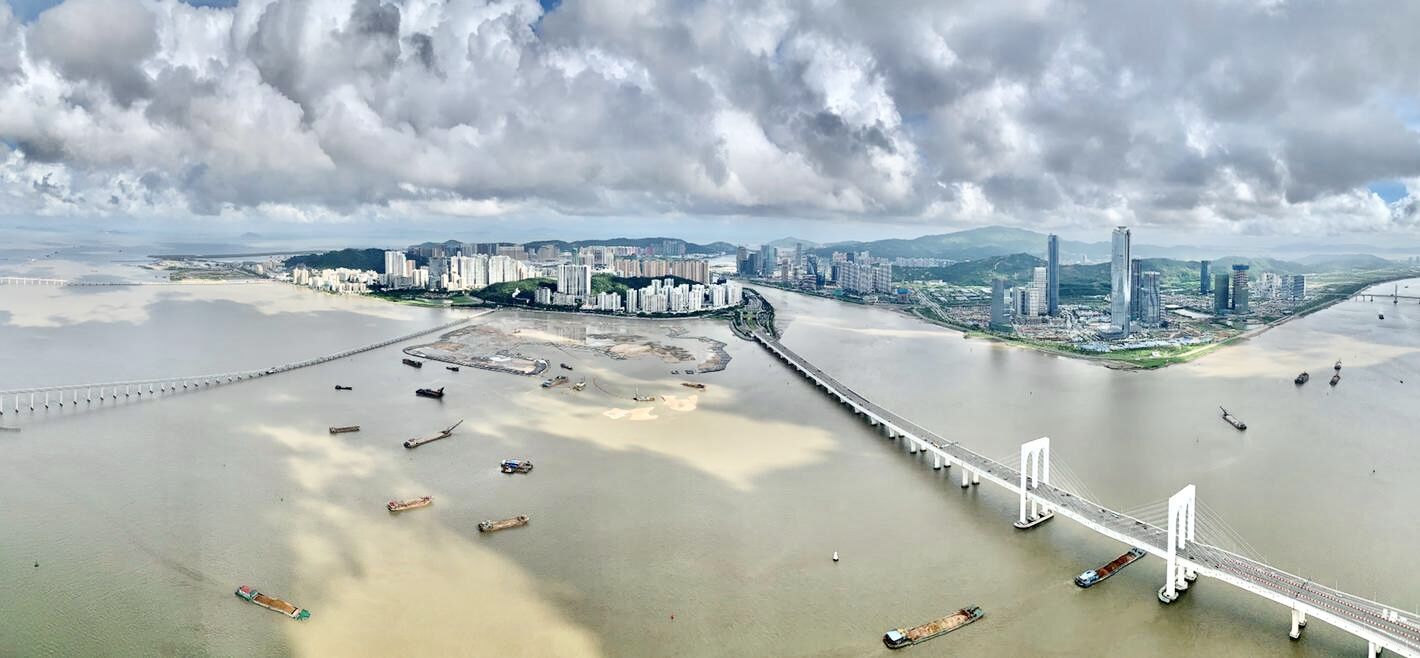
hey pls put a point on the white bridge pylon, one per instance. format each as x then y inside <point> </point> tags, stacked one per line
<point>1035,471</point>
<point>1182,515</point>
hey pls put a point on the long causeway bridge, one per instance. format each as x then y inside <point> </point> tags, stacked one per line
<point>89,396</point>
<point>1381,626</point>
<point>71,283</point>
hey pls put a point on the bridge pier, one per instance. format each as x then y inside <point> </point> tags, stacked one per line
<point>1299,621</point>
<point>1035,471</point>
<point>936,462</point>
<point>1373,650</point>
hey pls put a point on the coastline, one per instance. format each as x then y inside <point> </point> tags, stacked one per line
<point>1113,363</point>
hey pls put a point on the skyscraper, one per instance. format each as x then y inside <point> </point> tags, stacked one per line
<point>1240,289</point>
<point>1038,302</point>
<point>1119,282</point>
<point>1136,268</point>
<point>1221,301</point>
<point>1052,280</point>
<point>1151,308</point>
<point>1203,280</point>
<point>999,321</point>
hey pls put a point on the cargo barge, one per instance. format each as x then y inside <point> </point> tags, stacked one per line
<point>249,594</point>
<point>565,366</point>
<point>693,385</point>
<point>1335,379</point>
<point>495,526</point>
<point>899,638</point>
<point>1233,420</point>
<point>412,362</point>
<point>344,428</point>
<point>419,441</point>
<point>338,387</point>
<point>451,368</point>
<point>430,392</point>
<point>414,503</point>
<point>1094,576</point>
<point>555,381</point>
<point>1302,378</point>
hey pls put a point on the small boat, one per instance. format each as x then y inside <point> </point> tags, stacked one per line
<point>249,594</point>
<point>565,366</point>
<point>695,385</point>
<point>344,428</point>
<point>899,638</point>
<point>675,372</point>
<point>579,385</point>
<point>412,362</point>
<point>516,466</point>
<point>1093,576</point>
<point>1338,364</point>
<point>443,434</point>
<point>430,392</point>
<point>1233,420</point>
<point>642,398</point>
<point>451,368</point>
<point>413,503</point>
<point>338,387</point>
<point>1335,378</point>
<point>835,556</point>
<point>1302,378</point>
<point>495,526</point>
<point>1382,315</point>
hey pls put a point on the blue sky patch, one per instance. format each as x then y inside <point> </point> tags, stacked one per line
<point>1390,190</point>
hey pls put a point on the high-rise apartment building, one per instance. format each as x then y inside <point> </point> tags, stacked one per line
<point>574,281</point>
<point>1203,279</point>
<point>1039,303</point>
<point>1119,281</point>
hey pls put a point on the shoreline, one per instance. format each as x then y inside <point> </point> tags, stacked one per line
<point>1104,360</point>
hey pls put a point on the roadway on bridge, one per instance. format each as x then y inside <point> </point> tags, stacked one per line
<point>1400,630</point>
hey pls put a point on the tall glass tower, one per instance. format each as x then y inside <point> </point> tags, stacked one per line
<point>1120,282</point>
<point>1052,275</point>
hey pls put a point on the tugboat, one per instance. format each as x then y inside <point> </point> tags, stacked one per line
<point>1233,420</point>
<point>249,594</point>
<point>451,368</point>
<point>1338,365</point>
<point>495,526</point>
<point>516,466</point>
<point>430,392</point>
<point>565,366</point>
<point>413,503</point>
<point>1335,378</point>
<point>338,387</point>
<point>1302,378</point>
<point>1093,576</point>
<point>899,638</point>
<point>412,362</point>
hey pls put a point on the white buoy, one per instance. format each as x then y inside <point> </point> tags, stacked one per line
<point>835,556</point>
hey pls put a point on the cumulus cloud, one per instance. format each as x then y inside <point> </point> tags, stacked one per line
<point>1249,116</point>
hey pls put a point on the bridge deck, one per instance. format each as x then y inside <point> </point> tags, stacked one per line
<point>1375,622</point>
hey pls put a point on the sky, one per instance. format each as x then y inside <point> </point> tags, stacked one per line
<point>1189,121</point>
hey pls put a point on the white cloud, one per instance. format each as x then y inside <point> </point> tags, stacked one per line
<point>1040,112</point>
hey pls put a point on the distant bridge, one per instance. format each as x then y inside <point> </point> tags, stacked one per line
<point>83,396</point>
<point>1382,626</point>
<point>69,283</point>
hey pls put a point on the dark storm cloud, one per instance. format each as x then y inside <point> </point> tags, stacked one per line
<point>1212,113</point>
